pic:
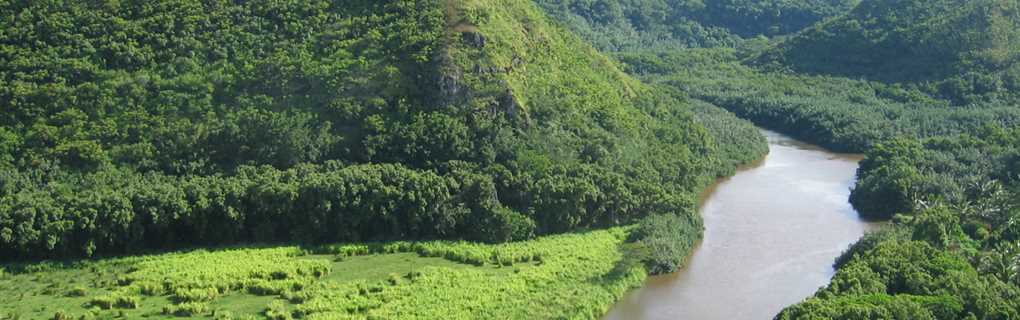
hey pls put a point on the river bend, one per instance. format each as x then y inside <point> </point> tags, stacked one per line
<point>772,232</point>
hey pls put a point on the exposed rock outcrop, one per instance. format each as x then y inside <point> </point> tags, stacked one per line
<point>474,39</point>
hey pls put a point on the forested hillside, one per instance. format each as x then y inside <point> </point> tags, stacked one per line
<point>833,83</point>
<point>632,25</point>
<point>485,158</point>
<point>839,113</point>
<point>147,126</point>
<point>140,125</point>
<point>961,50</point>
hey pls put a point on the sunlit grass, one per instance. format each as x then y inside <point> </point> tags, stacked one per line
<point>570,275</point>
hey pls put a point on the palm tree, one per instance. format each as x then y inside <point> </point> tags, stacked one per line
<point>1016,264</point>
<point>1003,262</point>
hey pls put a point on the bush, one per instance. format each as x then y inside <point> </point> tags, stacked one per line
<point>77,292</point>
<point>278,311</point>
<point>393,279</point>
<point>668,240</point>
<point>127,302</point>
<point>222,315</point>
<point>60,315</point>
<point>115,301</point>
<point>151,288</point>
<point>104,302</point>
<point>187,309</point>
<point>195,294</point>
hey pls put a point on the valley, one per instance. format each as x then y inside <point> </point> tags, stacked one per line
<point>477,159</point>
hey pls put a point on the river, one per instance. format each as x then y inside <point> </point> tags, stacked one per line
<point>772,232</point>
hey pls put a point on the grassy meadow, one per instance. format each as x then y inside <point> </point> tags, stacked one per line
<point>577,275</point>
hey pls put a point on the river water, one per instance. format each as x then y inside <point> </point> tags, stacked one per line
<point>772,232</point>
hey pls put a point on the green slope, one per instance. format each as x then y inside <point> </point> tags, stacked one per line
<point>147,126</point>
<point>635,25</point>
<point>138,125</point>
<point>961,48</point>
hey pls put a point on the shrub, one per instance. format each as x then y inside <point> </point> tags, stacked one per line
<point>187,309</point>
<point>77,292</point>
<point>262,287</point>
<point>393,279</point>
<point>668,240</point>
<point>60,315</point>
<point>151,288</point>
<point>222,315</point>
<point>195,295</point>
<point>115,301</point>
<point>503,258</point>
<point>104,302</point>
<point>127,302</point>
<point>278,311</point>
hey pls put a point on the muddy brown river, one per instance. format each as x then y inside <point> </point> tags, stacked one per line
<point>772,232</point>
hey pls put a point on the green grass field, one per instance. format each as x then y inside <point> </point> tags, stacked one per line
<point>564,276</point>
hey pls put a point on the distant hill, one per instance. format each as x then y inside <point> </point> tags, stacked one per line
<point>630,25</point>
<point>963,47</point>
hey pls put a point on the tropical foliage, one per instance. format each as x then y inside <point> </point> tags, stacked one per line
<point>411,126</point>
<point>140,125</point>
<point>939,129</point>
<point>839,113</point>
<point>564,276</point>
<point>636,25</point>
<point>924,89</point>
<point>961,50</point>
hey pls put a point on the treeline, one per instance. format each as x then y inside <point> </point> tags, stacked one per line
<point>121,211</point>
<point>111,100</point>
<point>967,169</point>
<point>749,18</point>
<point>738,141</point>
<point>637,25</point>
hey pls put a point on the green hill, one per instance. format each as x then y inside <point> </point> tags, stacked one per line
<point>634,25</point>
<point>333,147</point>
<point>139,125</point>
<point>958,48</point>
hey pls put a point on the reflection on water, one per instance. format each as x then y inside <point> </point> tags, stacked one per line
<point>772,232</point>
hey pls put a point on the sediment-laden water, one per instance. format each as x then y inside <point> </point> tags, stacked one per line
<point>772,233</point>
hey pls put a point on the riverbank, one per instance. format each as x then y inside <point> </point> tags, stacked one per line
<point>772,232</point>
